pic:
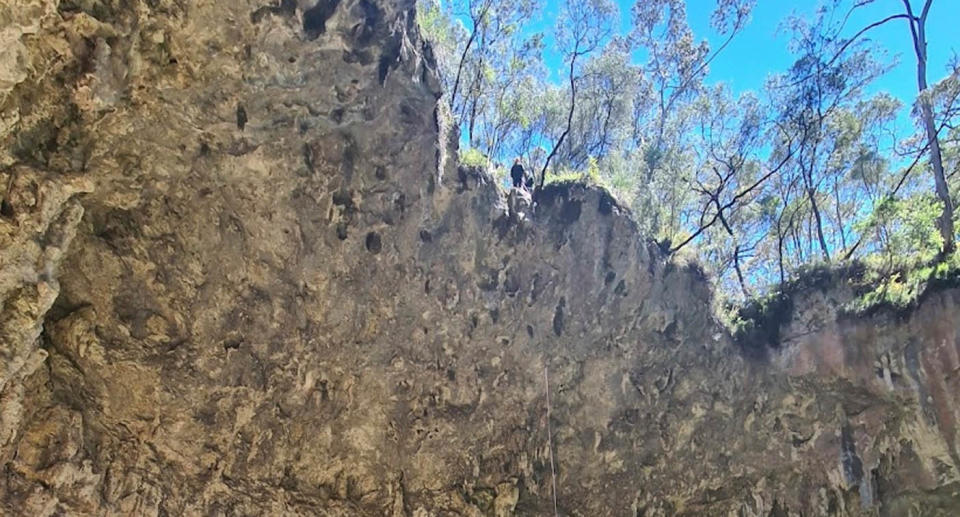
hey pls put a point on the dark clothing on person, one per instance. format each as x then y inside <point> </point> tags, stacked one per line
<point>516,173</point>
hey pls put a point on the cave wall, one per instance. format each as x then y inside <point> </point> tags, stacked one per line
<point>241,274</point>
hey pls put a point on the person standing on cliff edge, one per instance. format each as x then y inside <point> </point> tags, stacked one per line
<point>517,173</point>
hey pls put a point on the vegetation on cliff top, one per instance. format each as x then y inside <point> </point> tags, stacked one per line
<point>819,166</point>
<point>861,289</point>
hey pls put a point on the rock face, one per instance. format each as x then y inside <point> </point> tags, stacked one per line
<point>241,275</point>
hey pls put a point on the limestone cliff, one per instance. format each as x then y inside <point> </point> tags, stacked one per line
<point>241,274</point>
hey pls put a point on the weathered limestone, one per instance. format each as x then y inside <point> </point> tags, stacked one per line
<point>241,275</point>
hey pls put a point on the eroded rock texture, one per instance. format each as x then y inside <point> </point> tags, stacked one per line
<point>240,276</point>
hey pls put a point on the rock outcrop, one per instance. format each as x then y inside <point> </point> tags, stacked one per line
<point>241,274</point>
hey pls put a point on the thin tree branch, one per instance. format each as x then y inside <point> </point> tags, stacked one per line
<point>733,201</point>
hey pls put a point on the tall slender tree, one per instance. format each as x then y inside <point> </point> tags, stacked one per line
<point>918,34</point>
<point>917,24</point>
<point>583,26</point>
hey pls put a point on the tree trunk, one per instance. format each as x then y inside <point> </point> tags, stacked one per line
<point>573,105</point>
<point>463,60</point>
<point>783,273</point>
<point>477,92</point>
<point>918,31</point>
<point>812,196</point>
<point>797,244</point>
<point>843,233</point>
<point>736,266</point>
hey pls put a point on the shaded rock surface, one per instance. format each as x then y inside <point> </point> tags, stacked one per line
<point>240,275</point>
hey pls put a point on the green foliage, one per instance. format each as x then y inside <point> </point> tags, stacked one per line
<point>905,230</point>
<point>904,285</point>
<point>757,323</point>
<point>567,176</point>
<point>590,176</point>
<point>500,174</point>
<point>473,158</point>
<point>593,171</point>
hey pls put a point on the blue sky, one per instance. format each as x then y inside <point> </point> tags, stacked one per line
<point>761,48</point>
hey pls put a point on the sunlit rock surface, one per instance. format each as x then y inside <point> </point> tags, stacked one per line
<point>240,274</point>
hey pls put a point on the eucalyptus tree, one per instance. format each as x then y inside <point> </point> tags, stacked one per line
<point>484,52</point>
<point>446,35</point>
<point>814,96</point>
<point>918,35</point>
<point>727,144</point>
<point>916,14</point>
<point>582,27</point>
<point>603,114</point>
<point>669,81</point>
<point>945,97</point>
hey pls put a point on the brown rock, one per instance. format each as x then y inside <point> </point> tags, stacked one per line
<point>240,275</point>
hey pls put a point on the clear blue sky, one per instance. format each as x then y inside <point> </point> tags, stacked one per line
<point>761,48</point>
